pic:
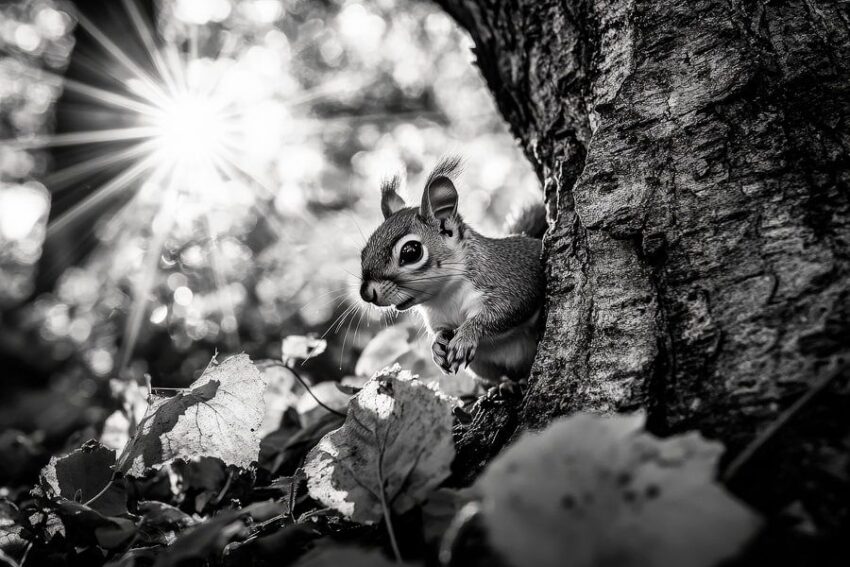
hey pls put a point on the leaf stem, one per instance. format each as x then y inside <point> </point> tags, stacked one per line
<point>102,491</point>
<point>383,494</point>
<point>310,391</point>
<point>388,520</point>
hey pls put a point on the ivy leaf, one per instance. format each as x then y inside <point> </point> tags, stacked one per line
<point>83,474</point>
<point>593,490</point>
<point>218,416</point>
<point>396,444</point>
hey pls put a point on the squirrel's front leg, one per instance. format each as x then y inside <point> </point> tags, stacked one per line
<point>461,348</point>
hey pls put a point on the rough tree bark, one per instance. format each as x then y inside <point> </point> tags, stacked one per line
<point>695,159</point>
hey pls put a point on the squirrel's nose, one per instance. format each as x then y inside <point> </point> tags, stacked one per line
<point>369,292</point>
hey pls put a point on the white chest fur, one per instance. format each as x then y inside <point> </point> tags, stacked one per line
<point>456,303</point>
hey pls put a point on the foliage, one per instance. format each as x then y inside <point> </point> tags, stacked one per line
<point>589,490</point>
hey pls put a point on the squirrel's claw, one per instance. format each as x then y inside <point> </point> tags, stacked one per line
<point>439,350</point>
<point>460,352</point>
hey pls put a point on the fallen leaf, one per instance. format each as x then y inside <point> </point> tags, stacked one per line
<point>218,416</point>
<point>383,350</point>
<point>83,474</point>
<point>165,516</point>
<point>83,523</point>
<point>286,449</point>
<point>203,540</point>
<point>13,537</point>
<point>592,490</point>
<point>396,443</point>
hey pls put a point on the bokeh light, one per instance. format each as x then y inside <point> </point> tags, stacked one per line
<point>247,140</point>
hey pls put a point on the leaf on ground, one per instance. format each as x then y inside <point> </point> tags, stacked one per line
<point>218,416</point>
<point>286,449</point>
<point>83,523</point>
<point>203,540</point>
<point>383,350</point>
<point>396,443</point>
<point>165,516</point>
<point>13,537</point>
<point>82,474</point>
<point>592,490</point>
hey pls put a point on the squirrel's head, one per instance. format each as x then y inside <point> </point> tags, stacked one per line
<point>417,250</point>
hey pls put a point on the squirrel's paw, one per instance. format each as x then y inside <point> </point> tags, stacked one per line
<point>460,352</point>
<point>439,349</point>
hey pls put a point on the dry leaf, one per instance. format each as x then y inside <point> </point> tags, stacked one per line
<point>397,438</point>
<point>82,474</point>
<point>593,490</point>
<point>219,416</point>
<point>383,350</point>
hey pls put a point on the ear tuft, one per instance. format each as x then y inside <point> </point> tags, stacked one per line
<point>439,200</point>
<point>390,201</point>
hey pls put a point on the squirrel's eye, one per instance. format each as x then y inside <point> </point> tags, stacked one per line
<point>411,252</point>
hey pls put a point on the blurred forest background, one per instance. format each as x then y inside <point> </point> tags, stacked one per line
<point>112,266</point>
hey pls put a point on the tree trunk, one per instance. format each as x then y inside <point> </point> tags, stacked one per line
<point>694,160</point>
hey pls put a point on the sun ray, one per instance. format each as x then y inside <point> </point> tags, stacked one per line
<point>154,92</point>
<point>144,32</point>
<point>81,138</point>
<point>109,189</point>
<point>160,228</point>
<point>60,179</point>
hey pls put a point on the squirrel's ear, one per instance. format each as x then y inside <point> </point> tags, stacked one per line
<point>390,201</point>
<point>440,198</point>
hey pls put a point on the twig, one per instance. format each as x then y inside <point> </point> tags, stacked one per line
<point>744,456</point>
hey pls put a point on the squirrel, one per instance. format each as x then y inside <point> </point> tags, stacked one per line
<point>480,298</point>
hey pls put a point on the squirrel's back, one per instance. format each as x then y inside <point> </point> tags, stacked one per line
<point>528,221</point>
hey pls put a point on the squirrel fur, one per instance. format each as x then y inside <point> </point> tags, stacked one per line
<point>480,297</point>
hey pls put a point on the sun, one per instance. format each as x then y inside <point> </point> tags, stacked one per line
<point>189,130</point>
